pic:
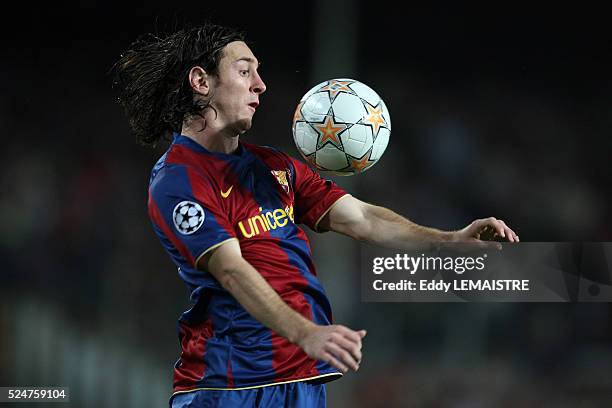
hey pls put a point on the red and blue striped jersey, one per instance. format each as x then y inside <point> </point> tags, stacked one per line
<point>200,199</point>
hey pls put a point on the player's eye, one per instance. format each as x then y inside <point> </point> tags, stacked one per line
<point>244,72</point>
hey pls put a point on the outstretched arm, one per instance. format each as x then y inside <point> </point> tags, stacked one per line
<point>335,344</point>
<point>381,226</point>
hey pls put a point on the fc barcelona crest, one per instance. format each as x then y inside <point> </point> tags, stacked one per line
<point>282,176</point>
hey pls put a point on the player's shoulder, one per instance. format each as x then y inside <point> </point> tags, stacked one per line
<point>168,176</point>
<point>269,153</point>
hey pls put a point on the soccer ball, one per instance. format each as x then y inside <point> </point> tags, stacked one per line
<point>341,126</point>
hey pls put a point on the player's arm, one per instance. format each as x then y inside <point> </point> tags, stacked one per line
<point>335,344</point>
<point>381,226</point>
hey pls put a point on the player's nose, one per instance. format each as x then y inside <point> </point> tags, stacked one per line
<point>258,86</point>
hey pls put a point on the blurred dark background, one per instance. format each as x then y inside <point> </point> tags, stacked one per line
<point>501,111</point>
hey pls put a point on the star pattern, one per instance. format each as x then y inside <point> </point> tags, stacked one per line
<point>297,115</point>
<point>374,118</point>
<point>329,131</point>
<point>335,87</point>
<point>361,164</point>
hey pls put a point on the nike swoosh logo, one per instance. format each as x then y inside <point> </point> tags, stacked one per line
<point>225,194</point>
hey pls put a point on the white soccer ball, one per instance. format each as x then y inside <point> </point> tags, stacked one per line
<point>341,126</point>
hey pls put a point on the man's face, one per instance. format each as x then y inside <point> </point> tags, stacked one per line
<point>236,88</point>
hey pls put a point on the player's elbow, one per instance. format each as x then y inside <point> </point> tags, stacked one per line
<point>363,226</point>
<point>225,263</point>
<point>359,227</point>
<point>228,274</point>
<point>350,217</point>
<point>227,270</point>
<point>362,232</point>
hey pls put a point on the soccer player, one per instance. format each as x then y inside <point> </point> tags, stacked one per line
<point>260,331</point>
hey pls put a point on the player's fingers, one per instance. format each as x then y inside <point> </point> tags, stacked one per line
<point>516,238</point>
<point>362,333</point>
<point>482,222</point>
<point>483,228</point>
<point>330,359</point>
<point>351,346</point>
<point>497,226</point>
<point>348,333</point>
<point>512,237</point>
<point>493,223</point>
<point>344,356</point>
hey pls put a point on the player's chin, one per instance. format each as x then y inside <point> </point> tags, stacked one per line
<point>243,125</point>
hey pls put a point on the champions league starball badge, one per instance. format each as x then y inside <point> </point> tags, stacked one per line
<point>188,217</point>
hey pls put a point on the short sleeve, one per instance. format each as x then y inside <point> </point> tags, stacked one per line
<point>314,195</point>
<point>186,214</point>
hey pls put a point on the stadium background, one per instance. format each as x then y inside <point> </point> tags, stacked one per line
<point>501,112</point>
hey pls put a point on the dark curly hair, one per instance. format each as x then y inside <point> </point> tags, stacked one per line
<point>152,78</point>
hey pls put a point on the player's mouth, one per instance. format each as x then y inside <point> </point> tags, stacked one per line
<point>254,105</point>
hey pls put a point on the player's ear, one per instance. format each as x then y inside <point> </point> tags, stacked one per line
<point>199,81</point>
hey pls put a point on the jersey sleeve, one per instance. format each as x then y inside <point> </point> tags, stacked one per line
<point>314,195</point>
<point>186,214</point>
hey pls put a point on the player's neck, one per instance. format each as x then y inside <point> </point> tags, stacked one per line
<point>213,140</point>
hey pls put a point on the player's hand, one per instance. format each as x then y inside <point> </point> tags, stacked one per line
<point>337,345</point>
<point>486,229</point>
